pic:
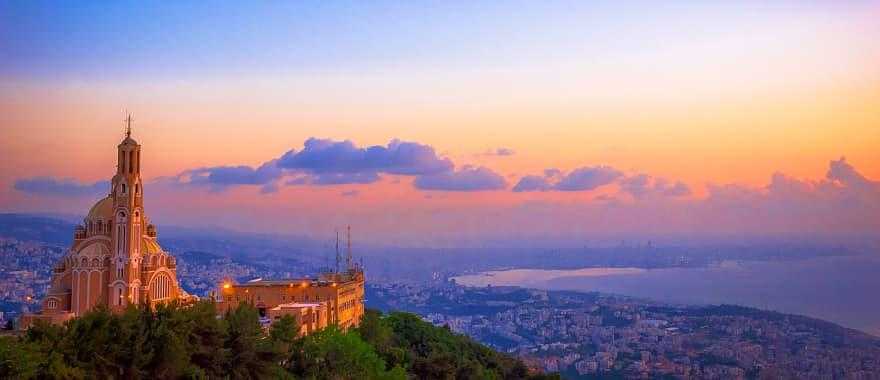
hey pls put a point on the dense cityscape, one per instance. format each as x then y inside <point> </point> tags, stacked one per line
<point>588,334</point>
<point>579,335</point>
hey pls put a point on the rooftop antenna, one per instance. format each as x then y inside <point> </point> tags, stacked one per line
<point>348,252</point>
<point>337,251</point>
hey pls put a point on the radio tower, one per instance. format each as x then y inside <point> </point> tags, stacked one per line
<point>338,258</point>
<point>348,251</point>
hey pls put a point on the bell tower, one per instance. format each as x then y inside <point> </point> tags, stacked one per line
<point>128,223</point>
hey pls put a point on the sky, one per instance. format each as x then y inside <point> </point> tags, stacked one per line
<point>452,123</point>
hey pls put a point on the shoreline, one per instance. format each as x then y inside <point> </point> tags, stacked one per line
<point>712,285</point>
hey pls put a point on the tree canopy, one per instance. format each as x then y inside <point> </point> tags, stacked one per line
<point>193,342</point>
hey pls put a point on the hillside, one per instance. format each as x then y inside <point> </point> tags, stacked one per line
<point>191,342</point>
<point>27,227</point>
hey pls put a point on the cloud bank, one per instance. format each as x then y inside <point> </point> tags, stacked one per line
<point>643,186</point>
<point>842,202</point>
<point>322,156</point>
<point>580,179</point>
<point>465,179</point>
<point>640,186</point>
<point>588,178</point>
<point>219,178</point>
<point>532,183</point>
<point>61,187</point>
<point>324,162</point>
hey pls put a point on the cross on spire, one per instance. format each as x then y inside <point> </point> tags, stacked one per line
<point>128,126</point>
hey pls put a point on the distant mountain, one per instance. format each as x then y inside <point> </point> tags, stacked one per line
<point>192,243</point>
<point>36,228</point>
<point>58,229</point>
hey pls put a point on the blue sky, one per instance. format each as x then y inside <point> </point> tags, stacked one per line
<point>679,103</point>
<point>134,39</point>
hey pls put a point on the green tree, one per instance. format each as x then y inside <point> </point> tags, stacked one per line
<point>203,335</point>
<point>18,359</point>
<point>375,330</point>
<point>169,356</point>
<point>50,359</point>
<point>332,354</point>
<point>437,353</point>
<point>190,341</point>
<point>283,334</point>
<point>251,355</point>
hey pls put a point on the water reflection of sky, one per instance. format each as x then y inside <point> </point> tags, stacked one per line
<point>839,289</point>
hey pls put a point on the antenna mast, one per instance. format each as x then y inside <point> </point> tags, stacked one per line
<point>337,251</point>
<point>348,252</point>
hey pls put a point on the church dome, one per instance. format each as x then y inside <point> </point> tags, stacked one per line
<point>103,209</point>
<point>128,141</point>
<point>150,246</point>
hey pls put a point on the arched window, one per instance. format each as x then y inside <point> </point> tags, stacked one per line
<point>120,234</point>
<point>52,304</point>
<point>136,239</point>
<point>120,238</point>
<point>123,189</point>
<point>119,295</point>
<point>161,287</point>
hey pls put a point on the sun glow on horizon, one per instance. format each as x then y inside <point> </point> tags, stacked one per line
<point>714,97</point>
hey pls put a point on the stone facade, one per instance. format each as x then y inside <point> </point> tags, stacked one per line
<point>308,317</point>
<point>339,295</point>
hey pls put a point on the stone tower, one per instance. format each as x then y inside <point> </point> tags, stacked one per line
<point>128,224</point>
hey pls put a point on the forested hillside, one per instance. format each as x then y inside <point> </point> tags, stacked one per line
<point>191,342</point>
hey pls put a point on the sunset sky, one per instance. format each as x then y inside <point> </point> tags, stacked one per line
<point>446,123</point>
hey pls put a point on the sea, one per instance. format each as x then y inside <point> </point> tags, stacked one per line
<point>840,289</point>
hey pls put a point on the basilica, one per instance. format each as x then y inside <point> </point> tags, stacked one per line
<point>115,259</point>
